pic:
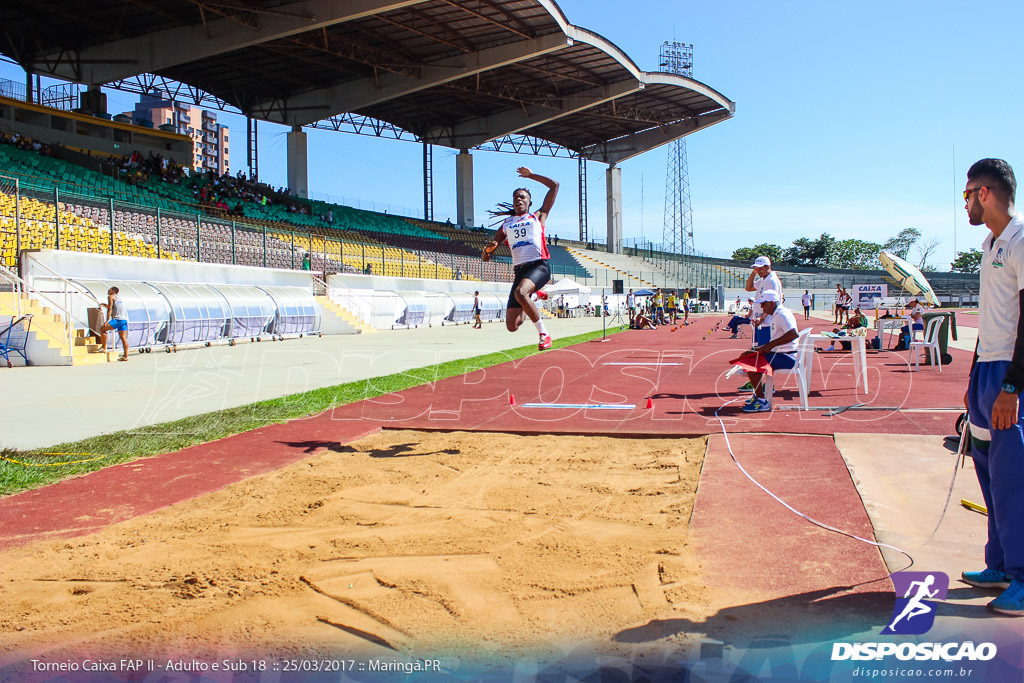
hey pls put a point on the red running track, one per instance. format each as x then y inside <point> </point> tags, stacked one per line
<point>785,558</point>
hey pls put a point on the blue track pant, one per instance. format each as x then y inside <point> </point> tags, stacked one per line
<point>1000,469</point>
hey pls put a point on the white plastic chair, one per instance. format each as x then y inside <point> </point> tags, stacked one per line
<point>930,344</point>
<point>803,369</point>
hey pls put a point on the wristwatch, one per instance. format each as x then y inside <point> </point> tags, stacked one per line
<point>1009,388</point>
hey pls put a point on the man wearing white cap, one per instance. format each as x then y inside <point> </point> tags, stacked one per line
<point>742,317</point>
<point>779,350</point>
<point>762,279</point>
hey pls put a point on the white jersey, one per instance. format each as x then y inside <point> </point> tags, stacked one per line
<point>773,283</point>
<point>1002,278</point>
<point>524,235</point>
<point>783,321</point>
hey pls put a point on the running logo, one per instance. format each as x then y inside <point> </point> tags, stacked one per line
<point>913,615</point>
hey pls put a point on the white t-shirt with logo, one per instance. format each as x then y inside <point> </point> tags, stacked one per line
<point>783,321</point>
<point>806,300</point>
<point>773,283</point>
<point>1002,278</point>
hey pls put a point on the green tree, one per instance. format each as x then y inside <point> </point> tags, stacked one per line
<point>854,253</point>
<point>811,253</point>
<point>967,262</point>
<point>772,251</point>
<point>902,242</point>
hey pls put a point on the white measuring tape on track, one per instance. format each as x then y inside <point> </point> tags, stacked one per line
<point>579,406</point>
<point>792,509</point>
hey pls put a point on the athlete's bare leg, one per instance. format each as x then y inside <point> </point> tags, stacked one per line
<point>514,317</point>
<point>528,310</point>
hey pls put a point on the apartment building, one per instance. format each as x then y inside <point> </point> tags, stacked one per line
<point>209,138</point>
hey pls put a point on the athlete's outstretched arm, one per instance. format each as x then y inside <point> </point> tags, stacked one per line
<point>492,246</point>
<point>549,198</point>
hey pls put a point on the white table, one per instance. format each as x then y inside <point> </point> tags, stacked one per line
<point>883,324</point>
<point>860,356</point>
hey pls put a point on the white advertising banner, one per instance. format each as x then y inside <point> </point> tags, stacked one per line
<point>866,296</point>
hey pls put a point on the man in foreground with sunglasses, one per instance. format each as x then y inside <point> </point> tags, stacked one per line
<point>997,377</point>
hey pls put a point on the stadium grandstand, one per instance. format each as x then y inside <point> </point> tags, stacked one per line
<point>376,501</point>
<point>88,198</point>
<point>77,180</point>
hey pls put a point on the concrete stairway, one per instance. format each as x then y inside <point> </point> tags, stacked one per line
<point>46,342</point>
<point>338,320</point>
<point>604,272</point>
<point>647,274</point>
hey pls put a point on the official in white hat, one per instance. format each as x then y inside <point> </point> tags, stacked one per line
<point>762,279</point>
<point>779,350</point>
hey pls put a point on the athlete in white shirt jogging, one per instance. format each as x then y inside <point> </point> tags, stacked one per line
<point>523,232</point>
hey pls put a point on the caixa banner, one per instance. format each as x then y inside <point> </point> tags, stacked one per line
<point>867,296</point>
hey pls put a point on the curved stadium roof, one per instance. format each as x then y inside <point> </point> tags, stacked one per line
<point>457,73</point>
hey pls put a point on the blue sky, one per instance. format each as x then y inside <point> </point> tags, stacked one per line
<point>858,119</point>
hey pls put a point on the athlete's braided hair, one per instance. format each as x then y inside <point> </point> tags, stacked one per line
<point>505,208</point>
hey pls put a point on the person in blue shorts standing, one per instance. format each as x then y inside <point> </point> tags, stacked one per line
<point>117,319</point>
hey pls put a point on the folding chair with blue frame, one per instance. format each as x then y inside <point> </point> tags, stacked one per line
<point>14,338</point>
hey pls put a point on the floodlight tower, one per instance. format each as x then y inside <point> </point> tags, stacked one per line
<point>677,235</point>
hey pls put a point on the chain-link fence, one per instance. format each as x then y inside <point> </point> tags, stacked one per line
<point>10,222</point>
<point>47,218</point>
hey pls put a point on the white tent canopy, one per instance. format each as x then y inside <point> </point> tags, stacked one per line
<point>575,294</point>
<point>567,286</point>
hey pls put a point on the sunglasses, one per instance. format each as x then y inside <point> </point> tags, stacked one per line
<point>968,193</point>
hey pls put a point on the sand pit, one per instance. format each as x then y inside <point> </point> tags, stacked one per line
<point>403,544</point>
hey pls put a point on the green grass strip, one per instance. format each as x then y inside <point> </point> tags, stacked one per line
<point>24,470</point>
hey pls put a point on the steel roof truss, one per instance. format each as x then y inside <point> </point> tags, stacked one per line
<point>634,144</point>
<point>357,95</point>
<point>162,49</point>
<point>482,130</point>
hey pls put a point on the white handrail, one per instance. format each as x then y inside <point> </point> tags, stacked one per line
<point>20,286</point>
<point>347,299</point>
<point>68,287</point>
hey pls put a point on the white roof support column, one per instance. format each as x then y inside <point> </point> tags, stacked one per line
<point>613,200</point>
<point>298,165</point>
<point>464,189</point>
